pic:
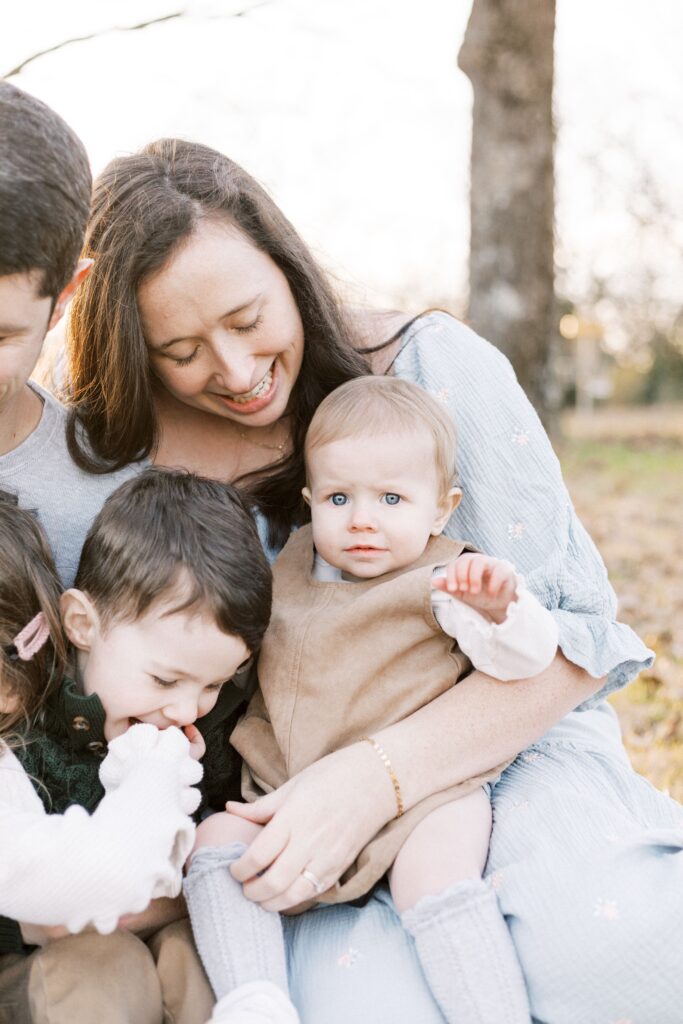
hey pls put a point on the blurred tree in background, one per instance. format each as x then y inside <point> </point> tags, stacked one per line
<point>508,55</point>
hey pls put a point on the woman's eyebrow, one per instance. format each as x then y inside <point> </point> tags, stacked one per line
<point>224,316</point>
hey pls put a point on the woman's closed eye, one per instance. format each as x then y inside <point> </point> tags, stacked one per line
<point>249,327</point>
<point>185,360</point>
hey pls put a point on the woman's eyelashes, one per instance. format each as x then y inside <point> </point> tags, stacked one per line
<point>243,329</point>
<point>186,360</point>
<point>249,327</point>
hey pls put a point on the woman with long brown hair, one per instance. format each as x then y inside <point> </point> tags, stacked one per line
<point>205,337</point>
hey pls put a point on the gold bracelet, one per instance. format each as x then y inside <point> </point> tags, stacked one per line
<point>381,753</point>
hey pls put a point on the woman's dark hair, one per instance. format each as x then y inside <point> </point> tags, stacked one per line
<point>166,533</point>
<point>28,585</point>
<point>144,206</point>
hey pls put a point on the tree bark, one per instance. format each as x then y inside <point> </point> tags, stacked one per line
<point>508,56</point>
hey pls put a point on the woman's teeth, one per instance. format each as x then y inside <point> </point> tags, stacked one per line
<point>262,388</point>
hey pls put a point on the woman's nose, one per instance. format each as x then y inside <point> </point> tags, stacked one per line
<point>233,370</point>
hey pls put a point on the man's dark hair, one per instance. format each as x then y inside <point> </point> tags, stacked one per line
<point>45,187</point>
<point>166,533</point>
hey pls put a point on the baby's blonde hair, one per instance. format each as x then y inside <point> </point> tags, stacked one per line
<point>372,406</point>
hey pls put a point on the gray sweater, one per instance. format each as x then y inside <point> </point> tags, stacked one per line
<point>44,478</point>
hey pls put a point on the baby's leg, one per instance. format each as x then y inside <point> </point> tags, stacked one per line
<point>460,935</point>
<point>240,943</point>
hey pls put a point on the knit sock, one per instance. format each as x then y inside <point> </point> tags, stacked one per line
<point>238,941</point>
<point>468,957</point>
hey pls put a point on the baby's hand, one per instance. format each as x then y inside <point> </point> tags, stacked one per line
<point>487,584</point>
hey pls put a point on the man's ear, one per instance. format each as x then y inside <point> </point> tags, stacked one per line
<point>82,270</point>
<point>306,494</point>
<point>79,618</point>
<point>447,507</point>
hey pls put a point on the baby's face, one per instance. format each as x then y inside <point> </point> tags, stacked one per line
<point>165,668</point>
<point>375,501</point>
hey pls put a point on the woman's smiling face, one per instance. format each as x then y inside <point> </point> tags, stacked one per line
<point>223,330</point>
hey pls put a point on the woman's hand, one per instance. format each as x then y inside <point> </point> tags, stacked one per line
<point>317,822</point>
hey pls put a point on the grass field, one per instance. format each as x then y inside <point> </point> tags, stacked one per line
<point>624,470</point>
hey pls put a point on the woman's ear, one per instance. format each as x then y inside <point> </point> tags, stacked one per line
<point>447,507</point>
<point>79,618</point>
<point>307,495</point>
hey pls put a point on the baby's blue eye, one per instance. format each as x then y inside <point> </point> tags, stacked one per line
<point>338,499</point>
<point>392,499</point>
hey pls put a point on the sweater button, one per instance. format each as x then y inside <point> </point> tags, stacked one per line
<point>80,724</point>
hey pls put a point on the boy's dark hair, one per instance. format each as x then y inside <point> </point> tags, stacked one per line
<point>45,187</point>
<point>168,530</point>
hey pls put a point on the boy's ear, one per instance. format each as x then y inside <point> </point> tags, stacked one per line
<point>79,618</point>
<point>447,507</point>
<point>82,270</point>
<point>306,491</point>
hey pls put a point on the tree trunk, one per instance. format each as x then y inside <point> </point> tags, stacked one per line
<point>507,54</point>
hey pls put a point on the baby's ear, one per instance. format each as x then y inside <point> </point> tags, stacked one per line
<point>447,507</point>
<point>79,618</point>
<point>307,495</point>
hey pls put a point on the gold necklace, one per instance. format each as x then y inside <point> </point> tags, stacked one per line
<point>280,447</point>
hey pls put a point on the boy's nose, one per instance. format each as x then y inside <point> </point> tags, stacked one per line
<point>181,711</point>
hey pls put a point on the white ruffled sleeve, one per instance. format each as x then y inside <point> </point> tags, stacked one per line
<point>76,869</point>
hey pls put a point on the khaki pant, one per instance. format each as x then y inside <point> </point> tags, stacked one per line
<point>108,979</point>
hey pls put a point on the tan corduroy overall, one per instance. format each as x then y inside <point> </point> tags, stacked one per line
<point>341,661</point>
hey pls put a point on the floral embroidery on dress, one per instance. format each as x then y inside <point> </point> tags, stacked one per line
<point>516,530</point>
<point>607,909</point>
<point>530,756</point>
<point>495,880</point>
<point>519,437</point>
<point>350,958</point>
<point>442,395</point>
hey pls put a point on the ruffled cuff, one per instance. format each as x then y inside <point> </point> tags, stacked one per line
<point>603,647</point>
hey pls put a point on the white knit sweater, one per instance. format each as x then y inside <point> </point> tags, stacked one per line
<point>76,869</point>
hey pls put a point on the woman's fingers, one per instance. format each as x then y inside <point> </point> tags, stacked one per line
<point>300,891</point>
<point>264,850</point>
<point>280,878</point>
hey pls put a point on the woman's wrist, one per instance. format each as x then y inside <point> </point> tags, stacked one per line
<point>371,778</point>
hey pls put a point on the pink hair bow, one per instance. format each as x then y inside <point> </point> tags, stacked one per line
<point>31,638</point>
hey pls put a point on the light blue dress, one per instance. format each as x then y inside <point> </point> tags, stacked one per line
<point>586,857</point>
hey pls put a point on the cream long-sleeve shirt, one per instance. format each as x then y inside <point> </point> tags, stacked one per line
<point>77,869</point>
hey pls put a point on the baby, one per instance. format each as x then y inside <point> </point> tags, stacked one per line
<point>375,614</point>
<point>162,623</point>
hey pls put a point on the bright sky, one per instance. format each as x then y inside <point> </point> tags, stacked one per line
<point>355,116</point>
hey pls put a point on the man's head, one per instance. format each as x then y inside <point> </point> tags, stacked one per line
<point>172,596</point>
<point>45,187</point>
<point>380,466</point>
